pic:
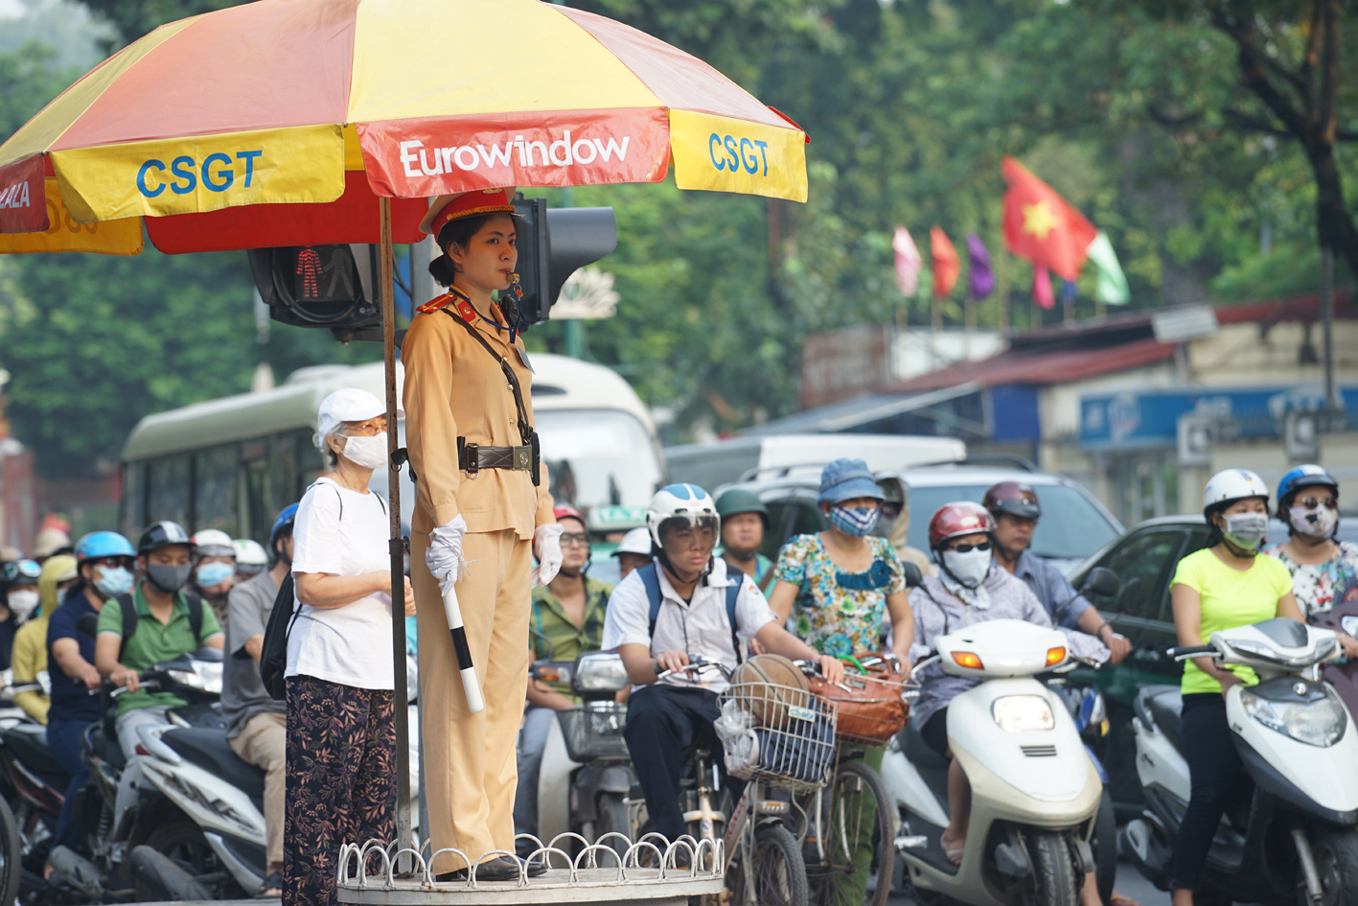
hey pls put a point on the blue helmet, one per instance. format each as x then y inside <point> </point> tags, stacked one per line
<point>1303,477</point>
<point>103,544</point>
<point>285,519</point>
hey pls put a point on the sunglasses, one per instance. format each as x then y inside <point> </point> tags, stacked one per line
<point>968,548</point>
<point>110,562</point>
<point>1312,503</point>
<point>570,539</point>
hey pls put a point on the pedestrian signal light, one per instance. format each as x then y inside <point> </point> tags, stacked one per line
<point>319,285</point>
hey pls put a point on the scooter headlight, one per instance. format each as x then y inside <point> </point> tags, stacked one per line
<point>1317,723</point>
<point>1023,713</point>
<point>206,676</point>
<point>600,673</point>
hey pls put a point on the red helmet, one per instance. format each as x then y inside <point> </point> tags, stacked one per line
<point>1016,498</point>
<point>567,512</point>
<point>960,518</point>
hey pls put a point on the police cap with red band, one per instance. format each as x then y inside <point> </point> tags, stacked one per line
<point>447,208</point>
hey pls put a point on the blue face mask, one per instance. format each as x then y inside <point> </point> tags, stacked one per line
<point>210,574</point>
<point>114,582</point>
<point>857,521</point>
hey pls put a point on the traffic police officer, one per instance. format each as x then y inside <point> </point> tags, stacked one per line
<point>482,511</point>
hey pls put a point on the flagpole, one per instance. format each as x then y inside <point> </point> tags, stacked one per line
<point>1002,281</point>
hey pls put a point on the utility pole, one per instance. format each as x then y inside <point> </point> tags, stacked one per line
<point>1327,330</point>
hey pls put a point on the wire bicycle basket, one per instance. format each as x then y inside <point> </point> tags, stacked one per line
<point>594,731</point>
<point>780,734</point>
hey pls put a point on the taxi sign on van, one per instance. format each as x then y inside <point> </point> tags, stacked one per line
<point>616,518</point>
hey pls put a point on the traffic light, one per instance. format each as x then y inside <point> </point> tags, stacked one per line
<point>336,286</point>
<point>553,244</point>
<point>319,285</point>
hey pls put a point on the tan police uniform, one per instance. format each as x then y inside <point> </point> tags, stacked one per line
<point>455,389</point>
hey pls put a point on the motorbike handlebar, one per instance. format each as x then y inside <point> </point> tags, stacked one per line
<point>1186,652</point>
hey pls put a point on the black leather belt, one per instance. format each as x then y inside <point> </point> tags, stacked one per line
<point>472,458</point>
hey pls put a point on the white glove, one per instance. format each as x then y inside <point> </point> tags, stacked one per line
<point>444,556</point>
<point>547,540</point>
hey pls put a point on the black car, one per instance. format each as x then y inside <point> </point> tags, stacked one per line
<point>1145,558</point>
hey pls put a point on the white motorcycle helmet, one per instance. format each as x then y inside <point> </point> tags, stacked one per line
<point>681,501</point>
<point>1226,487</point>
<point>251,558</point>
<point>212,543</point>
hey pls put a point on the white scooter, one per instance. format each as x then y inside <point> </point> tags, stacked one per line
<point>1034,790</point>
<point>1291,836</point>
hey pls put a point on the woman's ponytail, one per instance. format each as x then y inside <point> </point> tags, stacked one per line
<point>442,270</point>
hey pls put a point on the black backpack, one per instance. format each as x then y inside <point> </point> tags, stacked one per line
<point>273,655</point>
<point>127,608</point>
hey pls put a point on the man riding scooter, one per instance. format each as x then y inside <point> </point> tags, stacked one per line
<point>1015,508</point>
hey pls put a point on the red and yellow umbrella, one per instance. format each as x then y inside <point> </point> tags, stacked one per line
<point>282,122</point>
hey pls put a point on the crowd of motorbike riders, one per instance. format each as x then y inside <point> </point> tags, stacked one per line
<point>827,596</point>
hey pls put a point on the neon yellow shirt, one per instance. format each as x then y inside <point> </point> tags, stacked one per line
<point>1230,598</point>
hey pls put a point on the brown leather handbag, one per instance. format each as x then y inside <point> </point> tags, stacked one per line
<point>871,709</point>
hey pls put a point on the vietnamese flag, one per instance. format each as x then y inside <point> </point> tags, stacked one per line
<point>1040,226</point>
<point>947,266</point>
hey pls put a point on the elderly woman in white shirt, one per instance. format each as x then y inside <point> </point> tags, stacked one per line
<point>341,778</point>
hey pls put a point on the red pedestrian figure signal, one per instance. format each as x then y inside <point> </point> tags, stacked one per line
<point>308,272</point>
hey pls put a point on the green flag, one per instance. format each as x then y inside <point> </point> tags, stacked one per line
<point>1112,286</point>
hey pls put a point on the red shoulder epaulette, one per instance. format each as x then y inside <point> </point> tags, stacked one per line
<point>463,305</point>
<point>435,304</point>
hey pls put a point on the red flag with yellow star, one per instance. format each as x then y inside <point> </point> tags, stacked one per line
<point>1040,226</point>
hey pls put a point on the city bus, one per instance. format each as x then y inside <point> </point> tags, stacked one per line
<point>233,463</point>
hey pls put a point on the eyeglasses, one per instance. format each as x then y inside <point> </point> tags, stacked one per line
<point>111,562</point>
<point>573,539</point>
<point>366,429</point>
<point>1312,503</point>
<point>968,548</point>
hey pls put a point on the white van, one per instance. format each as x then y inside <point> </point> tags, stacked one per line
<point>778,455</point>
<point>233,463</point>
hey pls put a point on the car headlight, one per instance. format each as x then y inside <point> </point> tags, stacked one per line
<point>1023,713</point>
<point>1318,723</point>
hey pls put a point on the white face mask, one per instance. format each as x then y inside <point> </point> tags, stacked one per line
<point>22,603</point>
<point>1246,530</point>
<point>970,568</point>
<point>368,452</point>
<point>1317,523</point>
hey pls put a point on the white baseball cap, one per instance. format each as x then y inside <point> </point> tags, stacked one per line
<point>347,405</point>
<point>637,541</point>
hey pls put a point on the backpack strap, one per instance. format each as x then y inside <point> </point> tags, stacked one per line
<point>195,616</point>
<point>651,581</point>
<point>733,595</point>
<point>127,609</point>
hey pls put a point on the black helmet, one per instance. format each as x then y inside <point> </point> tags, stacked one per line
<point>162,534</point>
<point>1013,497</point>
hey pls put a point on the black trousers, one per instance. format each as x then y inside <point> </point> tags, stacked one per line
<point>662,722</point>
<point>1214,768</point>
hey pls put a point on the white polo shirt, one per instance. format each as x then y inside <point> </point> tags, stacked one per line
<point>698,627</point>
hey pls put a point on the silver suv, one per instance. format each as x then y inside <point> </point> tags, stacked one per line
<point>1073,526</point>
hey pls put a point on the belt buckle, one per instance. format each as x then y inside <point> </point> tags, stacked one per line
<point>523,459</point>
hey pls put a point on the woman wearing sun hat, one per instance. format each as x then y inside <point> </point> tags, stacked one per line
<point>482,512</point>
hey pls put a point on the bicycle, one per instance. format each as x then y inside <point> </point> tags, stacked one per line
<point>795,736</point>
<point>854,805</point>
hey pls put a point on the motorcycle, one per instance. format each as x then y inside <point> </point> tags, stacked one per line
<point>1035,791</point>
<point>586,771</point>
<point>1289,836</point>
<point>1342,676</point>
<point>157,823</point>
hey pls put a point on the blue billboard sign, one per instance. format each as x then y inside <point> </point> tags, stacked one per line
<point>1150,418</point>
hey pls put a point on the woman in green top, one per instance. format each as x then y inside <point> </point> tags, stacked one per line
<point>1223,586</point>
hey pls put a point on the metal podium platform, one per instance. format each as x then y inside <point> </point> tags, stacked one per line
<point>647,872</point>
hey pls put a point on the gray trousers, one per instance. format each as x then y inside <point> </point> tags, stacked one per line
<point>537,723</point>
<point>128,739</point>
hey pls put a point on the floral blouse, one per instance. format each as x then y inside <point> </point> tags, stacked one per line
<point>839,613</point>
<point>1319,586</point>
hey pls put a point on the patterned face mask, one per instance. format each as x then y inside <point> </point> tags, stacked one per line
<point>857,521</point>
<point>1318,522</point>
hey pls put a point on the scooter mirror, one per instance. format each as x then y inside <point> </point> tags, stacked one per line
<point>1101,581</point>
<point>913,577</point>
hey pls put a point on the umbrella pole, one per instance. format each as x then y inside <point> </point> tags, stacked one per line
<point>397,545</point>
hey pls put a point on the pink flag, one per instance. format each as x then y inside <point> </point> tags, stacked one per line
<point>908,262</point>
<point>1042,287</point>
